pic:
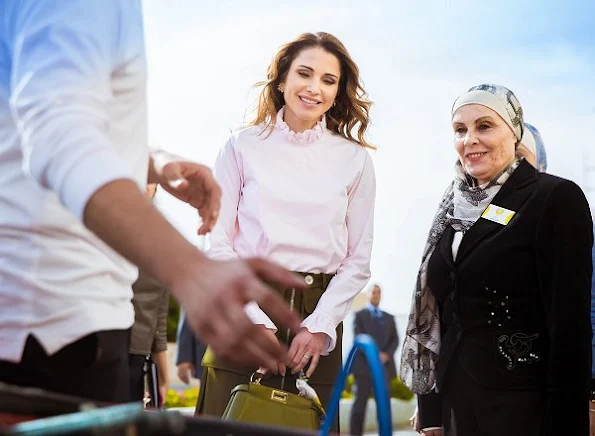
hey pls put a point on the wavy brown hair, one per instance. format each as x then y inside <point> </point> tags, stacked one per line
<point>351,108</point>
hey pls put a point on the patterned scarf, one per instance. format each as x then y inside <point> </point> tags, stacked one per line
<point>461,206</point>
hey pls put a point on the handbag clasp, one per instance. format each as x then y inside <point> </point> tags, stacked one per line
<point>279,396</point>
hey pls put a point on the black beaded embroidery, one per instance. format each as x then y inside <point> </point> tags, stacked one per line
<point>516,348</point>
<point>499,314</point>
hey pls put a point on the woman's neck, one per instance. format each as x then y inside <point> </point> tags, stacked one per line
<point>481,182</point>
<point>296,124</point>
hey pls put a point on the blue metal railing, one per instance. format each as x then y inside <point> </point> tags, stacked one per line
<point>366,345</point>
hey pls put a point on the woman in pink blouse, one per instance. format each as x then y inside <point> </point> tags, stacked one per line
<point>299,189</point>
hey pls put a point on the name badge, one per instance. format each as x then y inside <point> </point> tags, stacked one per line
<point>498,214</point>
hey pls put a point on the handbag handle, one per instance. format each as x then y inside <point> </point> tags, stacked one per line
<point>256,377</point>
<point>365,344</point>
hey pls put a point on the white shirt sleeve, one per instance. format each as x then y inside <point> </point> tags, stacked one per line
<point>354,272</point>
<point>228,173</point>
<point>62,59</point>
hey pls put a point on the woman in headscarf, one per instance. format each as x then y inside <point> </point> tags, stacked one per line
<point>532,148</point>
<point>498,341</point>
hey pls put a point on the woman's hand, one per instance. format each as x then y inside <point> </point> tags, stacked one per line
<point>414,421</point>
<point>306,347</point>
<point>186,371</point>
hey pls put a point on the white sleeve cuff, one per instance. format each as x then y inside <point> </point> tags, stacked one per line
<point>257,316</point>
<point>321,323</point>
<point>162,157</point>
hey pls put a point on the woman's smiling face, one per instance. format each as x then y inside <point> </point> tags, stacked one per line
<point>310,87</point>
<point>484,142</point>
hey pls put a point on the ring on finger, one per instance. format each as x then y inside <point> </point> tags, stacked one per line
<point>306,357</point>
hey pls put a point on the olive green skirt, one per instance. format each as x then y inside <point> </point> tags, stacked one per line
<point>220,377</point>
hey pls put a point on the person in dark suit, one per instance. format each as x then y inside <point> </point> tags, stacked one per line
<point>499,336</point>
<point>382,327</point>
<point>189,352</point>
<point>592,393</point>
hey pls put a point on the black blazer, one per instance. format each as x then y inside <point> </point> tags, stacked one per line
<point>515,304</point>
<point>386,337</point>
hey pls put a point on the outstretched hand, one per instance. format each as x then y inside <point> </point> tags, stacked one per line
<point>194,184</point>
<point>214,297</point>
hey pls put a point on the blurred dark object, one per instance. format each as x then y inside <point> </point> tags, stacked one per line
<point>152,398</point>
<point>43,413</point>
<point>22,404</point>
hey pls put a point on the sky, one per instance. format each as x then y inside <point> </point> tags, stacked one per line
<point>415,58</point>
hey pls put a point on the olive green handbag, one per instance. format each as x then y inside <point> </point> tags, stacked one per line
<point>263,405</point>
<point>260,404</point>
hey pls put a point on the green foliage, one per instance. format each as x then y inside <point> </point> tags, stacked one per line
<point>186,398</point>
<point>348,390</point>
<point>346,395</point>
<point>397,389</point>
<point>349,383</point>
<point>173,317</point>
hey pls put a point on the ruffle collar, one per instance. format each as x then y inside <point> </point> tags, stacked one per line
<point>306,137</point>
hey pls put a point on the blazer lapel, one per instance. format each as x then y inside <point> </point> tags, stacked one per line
<point>511,196</point>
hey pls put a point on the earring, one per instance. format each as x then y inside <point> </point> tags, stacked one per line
<point>280,87</point>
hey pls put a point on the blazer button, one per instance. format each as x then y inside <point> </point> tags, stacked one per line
<point>309,279</point>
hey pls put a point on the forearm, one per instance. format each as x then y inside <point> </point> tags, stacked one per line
<point>335,302</point>
<point>160,359</point>
<point>121,215</point>
<point>354,272</point>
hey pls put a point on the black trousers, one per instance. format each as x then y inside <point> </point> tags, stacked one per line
<point>136,364</point>
<point>95,367</point>
<point>468,409</point>
<point>363,392</point>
